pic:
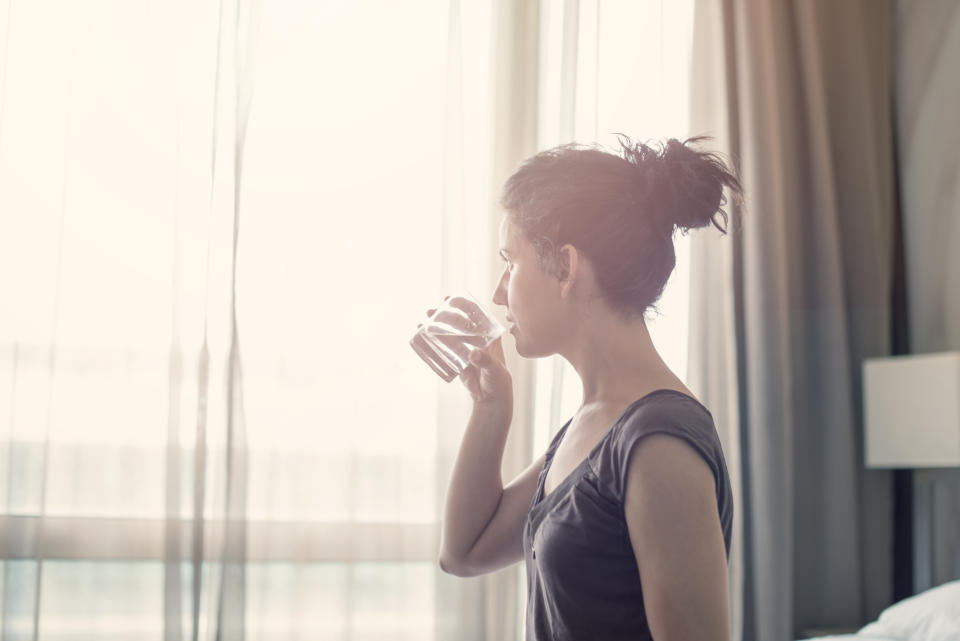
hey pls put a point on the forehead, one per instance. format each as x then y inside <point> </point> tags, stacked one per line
<point>507,233</point>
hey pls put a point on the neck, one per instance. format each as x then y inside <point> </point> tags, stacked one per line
<point>616,360</point>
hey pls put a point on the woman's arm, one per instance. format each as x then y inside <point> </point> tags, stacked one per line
<point>674,525</point>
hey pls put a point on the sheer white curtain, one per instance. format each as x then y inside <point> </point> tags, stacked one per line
<point>221,223</point>
<point>116,204</point>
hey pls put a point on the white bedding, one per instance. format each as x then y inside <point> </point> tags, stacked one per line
<point>853,637</point>
<point>933,615</point>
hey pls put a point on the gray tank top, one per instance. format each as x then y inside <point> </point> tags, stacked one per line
<point>582,577</point>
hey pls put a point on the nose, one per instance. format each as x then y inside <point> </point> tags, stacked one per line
<point>500,294</point>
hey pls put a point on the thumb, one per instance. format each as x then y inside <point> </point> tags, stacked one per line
<point>477,356</point>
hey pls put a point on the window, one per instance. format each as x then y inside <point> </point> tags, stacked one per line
<point>116,200</point>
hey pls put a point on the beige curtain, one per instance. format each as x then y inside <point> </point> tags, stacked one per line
<point>784,311</point>
<point>928,101</point>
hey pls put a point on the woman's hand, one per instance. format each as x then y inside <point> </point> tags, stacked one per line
<point>487,379</point>
<point>486,376</point>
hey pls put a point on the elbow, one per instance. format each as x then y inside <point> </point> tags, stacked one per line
<point>445,566</point>
<point>453,568</point>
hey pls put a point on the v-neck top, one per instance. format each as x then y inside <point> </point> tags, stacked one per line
<point>582,576</point>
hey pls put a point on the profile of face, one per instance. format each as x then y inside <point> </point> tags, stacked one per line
<point>537,303</point>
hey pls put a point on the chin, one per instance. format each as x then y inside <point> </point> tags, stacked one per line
<point>518,345</point>
<point>524,350</point>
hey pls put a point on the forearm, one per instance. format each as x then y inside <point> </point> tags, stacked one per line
<point>475,485</point>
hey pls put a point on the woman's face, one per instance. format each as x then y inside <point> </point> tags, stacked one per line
<point>531,296</point>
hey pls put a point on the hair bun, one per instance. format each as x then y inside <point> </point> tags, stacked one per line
<point>686,184</point>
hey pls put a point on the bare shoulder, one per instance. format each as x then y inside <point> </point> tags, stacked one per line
<point>661,461</point>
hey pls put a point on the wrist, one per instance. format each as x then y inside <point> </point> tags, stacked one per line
<point>498,409</point>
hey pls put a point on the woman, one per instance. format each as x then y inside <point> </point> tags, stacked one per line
<point>624,522</point>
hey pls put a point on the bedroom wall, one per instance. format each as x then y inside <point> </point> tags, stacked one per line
<point>928,134</point>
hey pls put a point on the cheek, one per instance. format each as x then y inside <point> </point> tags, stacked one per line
<point>527,297</point>
<point>518,292</point>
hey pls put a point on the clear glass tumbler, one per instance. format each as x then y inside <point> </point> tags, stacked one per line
<point>458,326</point>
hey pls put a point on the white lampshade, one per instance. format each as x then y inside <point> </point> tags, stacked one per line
<point>912,410</point>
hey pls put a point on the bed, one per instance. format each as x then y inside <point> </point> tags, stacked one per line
<point>933,615</point>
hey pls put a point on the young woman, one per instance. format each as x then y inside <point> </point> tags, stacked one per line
<point>624,521</point>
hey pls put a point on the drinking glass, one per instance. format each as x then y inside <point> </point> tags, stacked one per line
<point>458,326</point>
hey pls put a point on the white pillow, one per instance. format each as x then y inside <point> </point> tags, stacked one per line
<point>933,615</point>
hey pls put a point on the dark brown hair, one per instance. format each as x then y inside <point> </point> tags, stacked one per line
<point>619,210</point>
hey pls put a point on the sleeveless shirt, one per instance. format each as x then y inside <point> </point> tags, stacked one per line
<point>582,576</point>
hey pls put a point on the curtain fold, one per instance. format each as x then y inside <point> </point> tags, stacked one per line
<point>715,329</point>
<point>223,614</point>
<point>94,208</point>
<point>928,99</point>
<point>800,95</point>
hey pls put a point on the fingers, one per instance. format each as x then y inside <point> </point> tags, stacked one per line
<point>470,376</point>
<point>433,309</point>
<point>448,321</point>
<point>465,304</point>
<point>459,305</point>
<point>496,350</point>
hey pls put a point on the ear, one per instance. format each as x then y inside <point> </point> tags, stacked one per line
<point>569,266</point>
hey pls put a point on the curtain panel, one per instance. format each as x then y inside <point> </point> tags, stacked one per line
<point>221,222</point>
<point>927,100</point>
<point>800,95</point>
